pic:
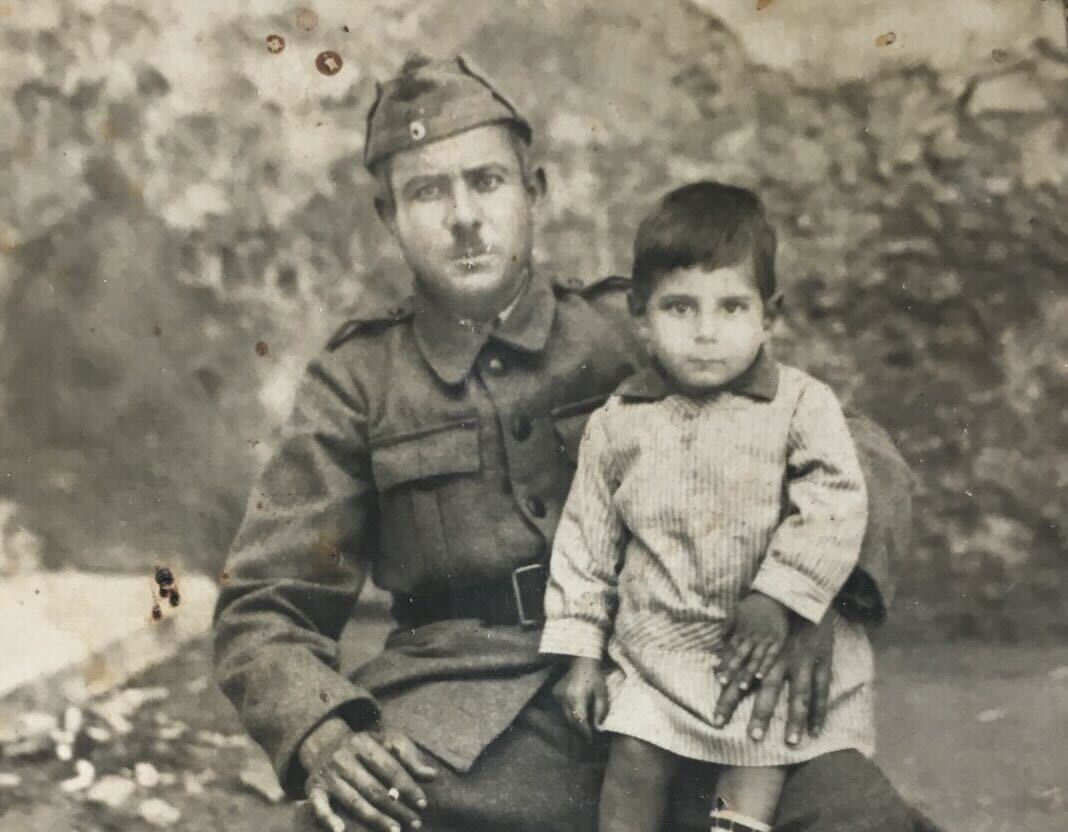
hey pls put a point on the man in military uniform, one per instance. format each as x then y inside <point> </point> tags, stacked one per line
<point>431,448</point>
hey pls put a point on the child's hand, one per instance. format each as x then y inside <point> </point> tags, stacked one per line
<point>583,695</point>
<point>756,639</point>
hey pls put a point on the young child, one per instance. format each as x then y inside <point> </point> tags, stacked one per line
<point>717,494</point>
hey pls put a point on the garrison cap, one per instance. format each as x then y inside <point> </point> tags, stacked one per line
<point>434,99</point>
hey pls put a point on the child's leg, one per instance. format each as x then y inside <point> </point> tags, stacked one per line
<point>747,794</point>
<point>636,783</point>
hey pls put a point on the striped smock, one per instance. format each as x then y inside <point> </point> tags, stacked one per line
<point>680,507</point>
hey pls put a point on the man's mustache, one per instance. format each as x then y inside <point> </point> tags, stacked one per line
<point>468,244</point>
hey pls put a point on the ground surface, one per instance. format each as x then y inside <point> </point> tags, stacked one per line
<point>976,735</point>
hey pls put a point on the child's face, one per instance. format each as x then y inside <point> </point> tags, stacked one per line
<point>704,326</point>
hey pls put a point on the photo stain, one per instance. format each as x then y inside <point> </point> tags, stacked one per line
<point>167,590</point>
<point>275,44</point>
<point>157,331</point>
<point>307,19</point>
<point>224,576</point>
<point>328,62</point>
<point>1000,56</point>
<point>763,4</point>
<point>885,39</point>
<point>261,348</point>
<point>328,549</point>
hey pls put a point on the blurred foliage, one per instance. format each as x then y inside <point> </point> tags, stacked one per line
<point>176,193</point>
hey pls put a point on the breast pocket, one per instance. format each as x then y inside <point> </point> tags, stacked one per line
<point>411,470</point>
<point>569,423</point>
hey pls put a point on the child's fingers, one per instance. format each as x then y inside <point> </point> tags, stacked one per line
<point>600,705</point>
<point>751,668</point>
<point>771,655</point>
<point>578,714</point>
<point>737,657</point>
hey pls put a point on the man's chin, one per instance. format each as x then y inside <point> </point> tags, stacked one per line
<point>477,276</point>
<point>480,291</point>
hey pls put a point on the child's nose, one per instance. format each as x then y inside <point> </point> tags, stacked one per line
<point>707,328</point>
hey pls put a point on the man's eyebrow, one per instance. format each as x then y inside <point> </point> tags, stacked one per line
<point>488,167</point>
<point>422,179</point>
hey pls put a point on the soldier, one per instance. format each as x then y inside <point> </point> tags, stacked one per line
<point>431,448</point>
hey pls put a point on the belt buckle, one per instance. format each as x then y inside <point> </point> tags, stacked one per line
<point>532,578</point>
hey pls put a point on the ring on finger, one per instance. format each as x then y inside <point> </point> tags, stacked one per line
<point>394,794</point>
<point>575,715</point>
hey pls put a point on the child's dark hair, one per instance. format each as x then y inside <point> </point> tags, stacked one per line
<point>703,224</point>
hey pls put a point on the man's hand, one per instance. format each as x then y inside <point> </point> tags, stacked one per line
<point>583,695</point>
<point>756,639</point>
<point>805,662</point>
<point>368,773</point>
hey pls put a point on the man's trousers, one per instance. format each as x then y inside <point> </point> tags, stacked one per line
<point>540,776</point>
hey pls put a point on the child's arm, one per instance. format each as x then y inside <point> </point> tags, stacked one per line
<point>581,595</point>
<point>816,545</point>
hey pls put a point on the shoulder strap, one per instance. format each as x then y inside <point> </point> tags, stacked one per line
<point>588,289</point>
<point>374,318</point>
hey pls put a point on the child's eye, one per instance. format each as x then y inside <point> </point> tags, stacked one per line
<point>678,307</point>
<point>733,307</point>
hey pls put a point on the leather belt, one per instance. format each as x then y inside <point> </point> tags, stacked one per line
<point>518,599</point>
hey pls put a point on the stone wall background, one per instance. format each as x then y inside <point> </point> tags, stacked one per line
<point>175,194</point>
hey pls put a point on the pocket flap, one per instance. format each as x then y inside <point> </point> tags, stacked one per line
<point>430,452</point>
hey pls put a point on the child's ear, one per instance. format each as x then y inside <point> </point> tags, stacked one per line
<point>772,310</point>
<point>641,320</point>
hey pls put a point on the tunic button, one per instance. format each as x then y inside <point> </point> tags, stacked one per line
<point>521,427</point>
<point>495,366</point>
<point>536,507</point>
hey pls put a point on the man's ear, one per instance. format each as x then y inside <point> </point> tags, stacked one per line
<point>537,184</point>
<point>772,309</point>
<point>387,212</point>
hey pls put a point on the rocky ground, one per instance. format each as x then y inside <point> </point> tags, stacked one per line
<point>975,735</point>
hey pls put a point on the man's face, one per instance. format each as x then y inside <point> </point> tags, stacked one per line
<point>464,218</point>
<point>705,327</point>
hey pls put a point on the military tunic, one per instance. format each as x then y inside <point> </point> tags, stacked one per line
<point>428,453</point>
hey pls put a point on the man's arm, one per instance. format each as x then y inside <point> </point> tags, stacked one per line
<point>294,573</point>
<point>870,589</point>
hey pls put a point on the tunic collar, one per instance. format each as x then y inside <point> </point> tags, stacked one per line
<point>450,345</point>
<point>760,381</point>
